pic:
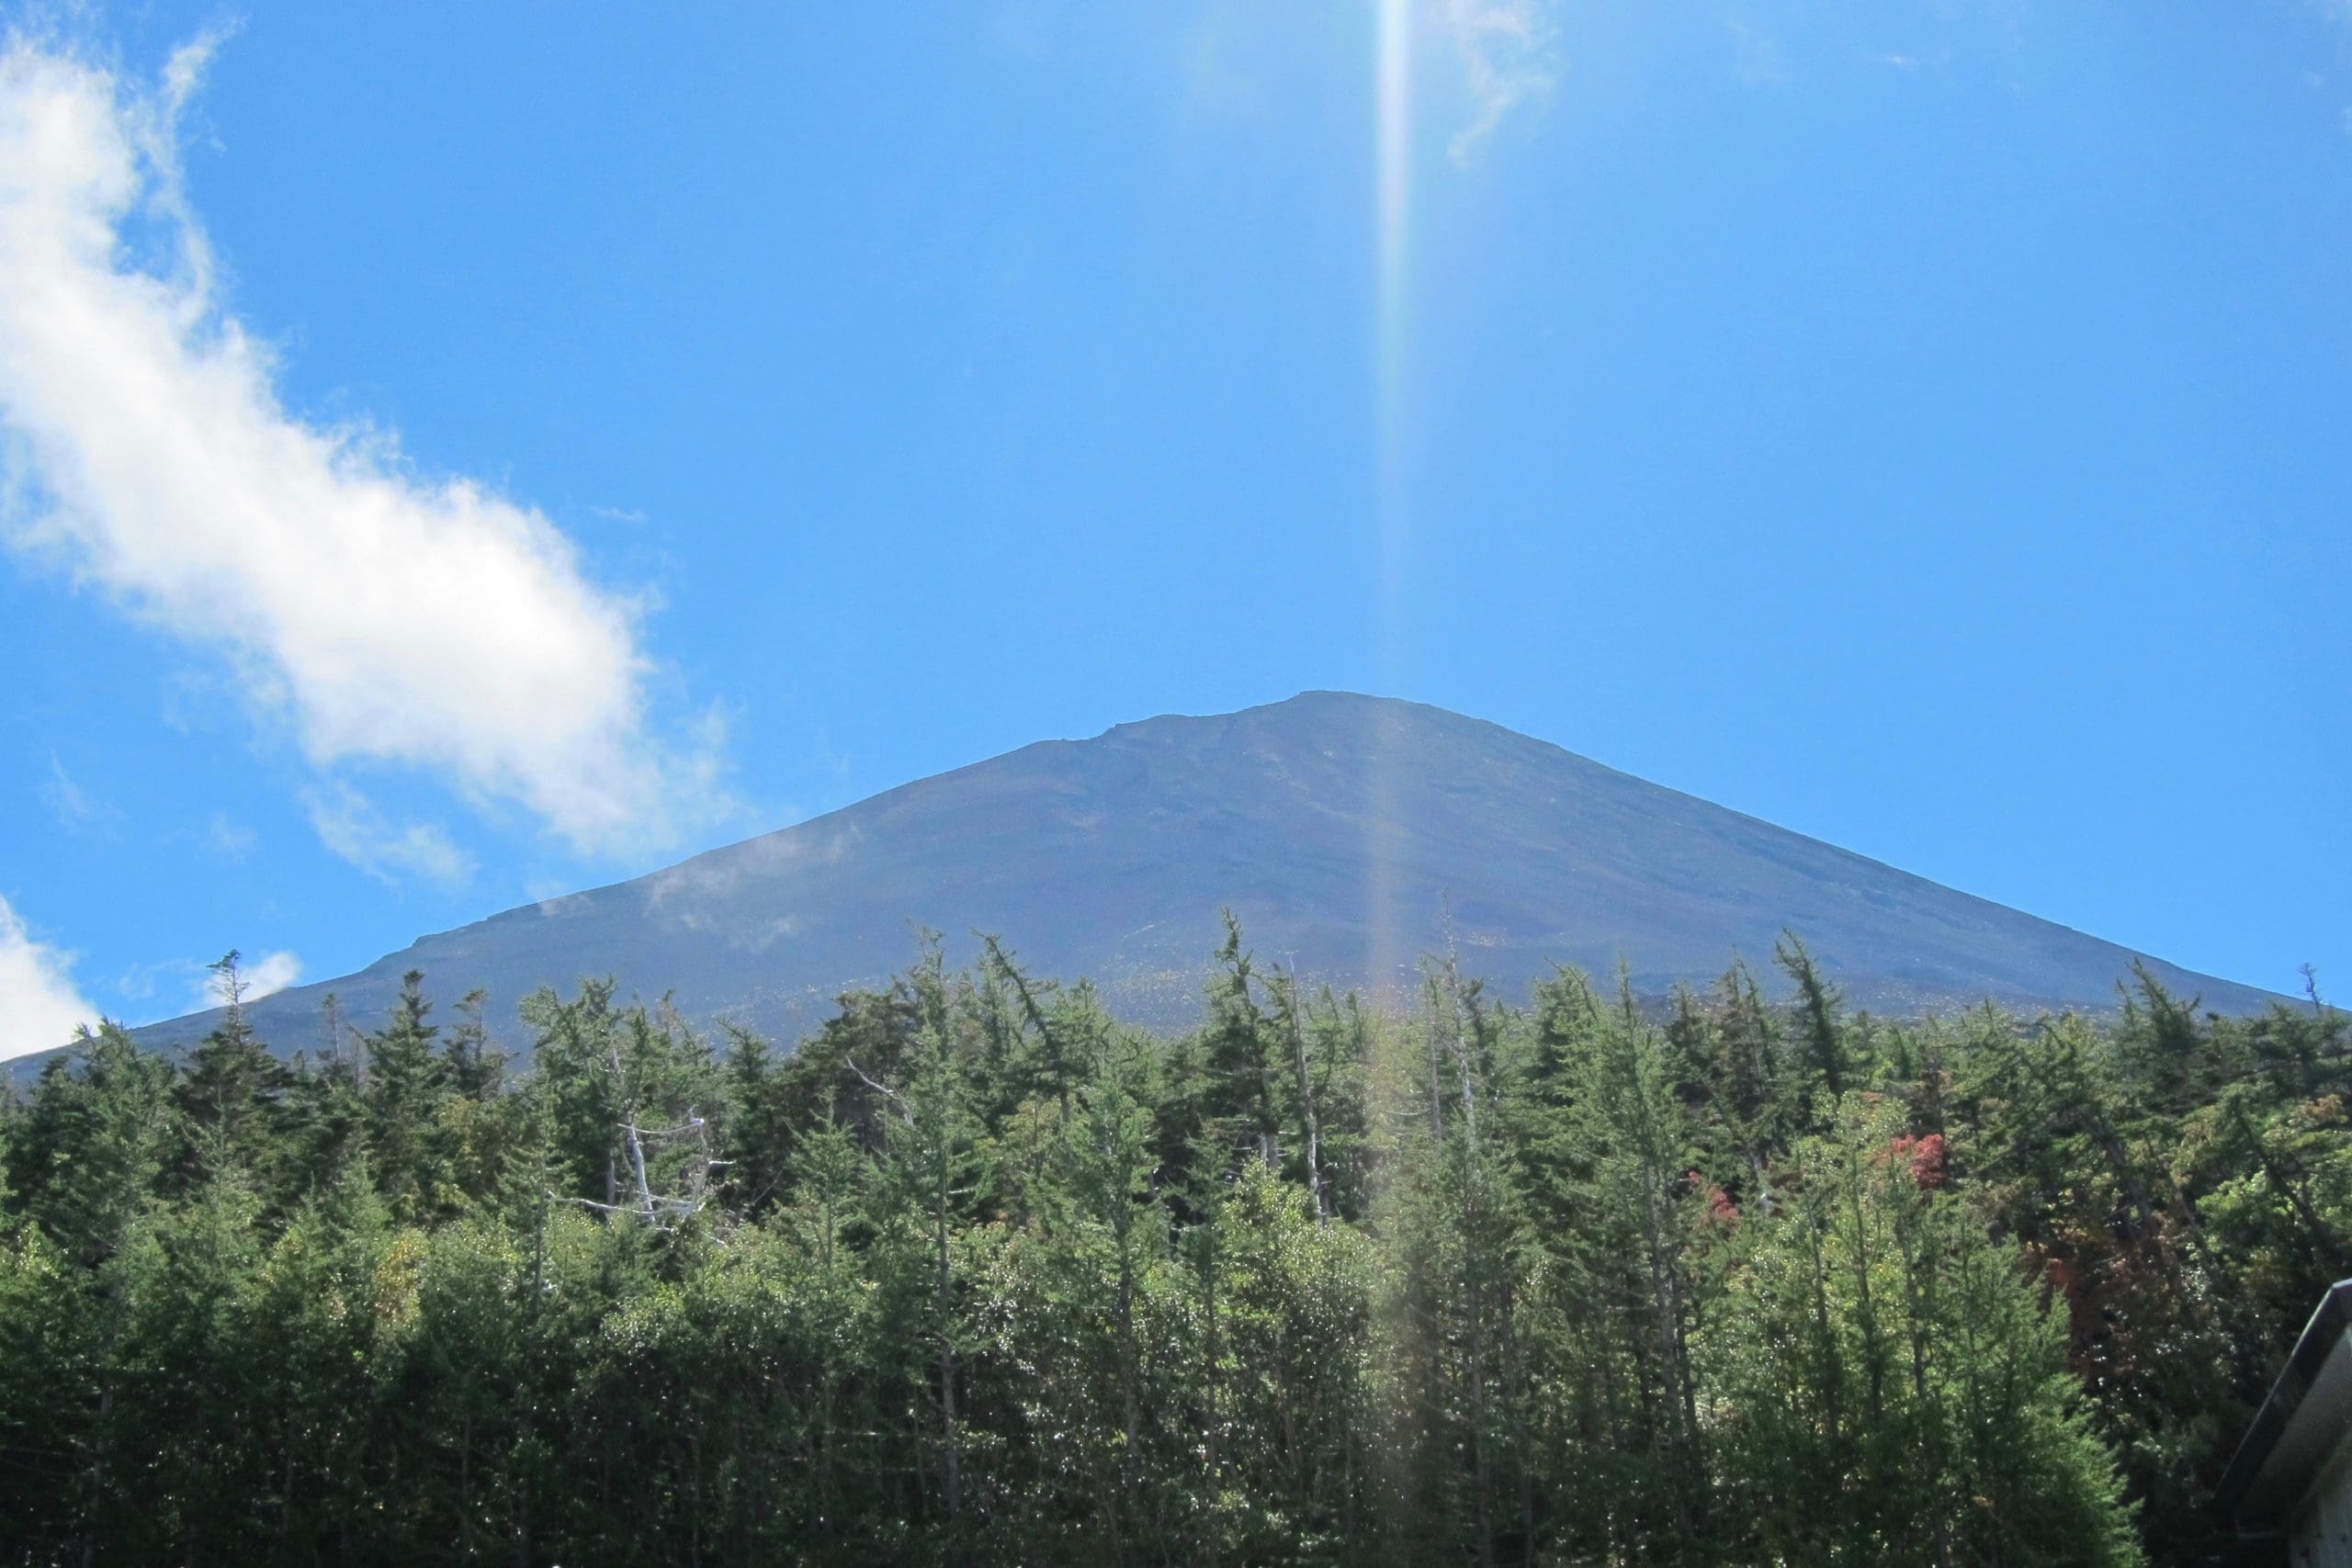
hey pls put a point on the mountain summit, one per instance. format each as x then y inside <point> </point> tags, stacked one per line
<point>1350,834</point>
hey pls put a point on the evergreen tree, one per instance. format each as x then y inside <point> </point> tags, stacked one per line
<point>407,1083</point>
<point>1891,1389</point>
<point>231,1095</point>
<point>976,1274</point>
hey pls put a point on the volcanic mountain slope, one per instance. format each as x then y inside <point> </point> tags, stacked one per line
<point>1345,832</point>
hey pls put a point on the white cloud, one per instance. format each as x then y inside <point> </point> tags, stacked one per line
<point>350,825</point>
<point>137,983</point>
<point>262,976</point>
<point>1756,55</point>
<point>272,972</point>
<point>39,1005</point>
<point>75,807</point>
<point>1509,50</point>
<point>720,873</point>
<point>228,839</point>
<point>386,617</point>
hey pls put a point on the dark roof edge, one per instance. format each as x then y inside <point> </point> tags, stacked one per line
<point>2327,1325</point>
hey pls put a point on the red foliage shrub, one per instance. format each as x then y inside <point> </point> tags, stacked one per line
<point>1721,1211</point>
<point>1926,1157</point>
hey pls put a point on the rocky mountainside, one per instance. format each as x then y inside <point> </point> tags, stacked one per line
<point>1348,833</point>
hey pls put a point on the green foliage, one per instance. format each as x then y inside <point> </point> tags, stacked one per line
<point>975,1273</point>
<point>1891,1388</point>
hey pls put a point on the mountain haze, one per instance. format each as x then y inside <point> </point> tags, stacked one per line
<point>1348,833</point>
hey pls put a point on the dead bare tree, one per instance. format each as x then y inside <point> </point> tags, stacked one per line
<point>664,1211</point>
<point>1306,1100</point>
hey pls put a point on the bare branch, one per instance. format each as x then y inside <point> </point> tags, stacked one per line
<point>883,1089</point>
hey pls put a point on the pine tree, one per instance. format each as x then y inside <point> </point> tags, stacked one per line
<point>1893,1392</point>
<point>407,1083</point>
<point>1241,1055</point>
<point>1829,1067</point>
<point>996,1281</point>
<point>231,1093</point>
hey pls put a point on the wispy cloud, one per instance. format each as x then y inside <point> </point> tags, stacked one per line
<point>1508,50</point>
<point>73,807</point>
<point>139,983</point>
<point>1757,58</point>
<point>384,615</point>
<point>229,839</point>
<point>39,1005</point>
<point>350,825</point>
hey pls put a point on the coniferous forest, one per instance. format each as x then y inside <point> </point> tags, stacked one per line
<point>976,1274</point>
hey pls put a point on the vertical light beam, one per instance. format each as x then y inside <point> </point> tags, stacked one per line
<point>1395,173</point>
<point>1393,139</point>
<point>1393,198</point>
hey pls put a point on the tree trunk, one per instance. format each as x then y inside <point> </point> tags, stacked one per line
<point>1306,1104</point>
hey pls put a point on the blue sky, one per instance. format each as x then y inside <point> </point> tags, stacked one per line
<point>454,453</point>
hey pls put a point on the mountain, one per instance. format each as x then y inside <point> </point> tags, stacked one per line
<point>1347,832</point>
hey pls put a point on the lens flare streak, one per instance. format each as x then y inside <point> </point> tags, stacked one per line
<point>1392,201</point>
